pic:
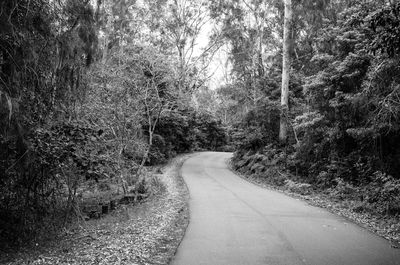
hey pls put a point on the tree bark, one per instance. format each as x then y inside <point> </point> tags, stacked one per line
<point>285,72</point>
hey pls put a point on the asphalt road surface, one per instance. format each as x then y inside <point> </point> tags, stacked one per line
<point>233,222</point>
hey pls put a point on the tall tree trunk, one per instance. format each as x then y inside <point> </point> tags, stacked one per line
<point>182,68</point>
<point>285,72</point>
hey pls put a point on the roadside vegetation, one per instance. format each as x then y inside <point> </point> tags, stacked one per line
<point>144,233</point>
<point>93,96</point>
<point>342,120</point>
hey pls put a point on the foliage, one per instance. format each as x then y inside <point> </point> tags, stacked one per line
<point>90,92</point>
<point>344,105</point>
<point>247,32</point>
<point>186,130</point>
<point>94,90</point>
<point>45,50</point>
<point>263,164</point>
<point>350,126</point>
<point>45,179</point>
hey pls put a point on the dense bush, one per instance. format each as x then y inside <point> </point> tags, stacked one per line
<point>42,183</point>
<point>43,77</point>
<point>259,127</point>
<point>186,130</point>
<point>351,130</point>
<point>345,124</point>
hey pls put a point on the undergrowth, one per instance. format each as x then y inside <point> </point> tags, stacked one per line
<point>380,196</point>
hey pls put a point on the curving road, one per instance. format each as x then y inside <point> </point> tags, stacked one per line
<point>234,222</point>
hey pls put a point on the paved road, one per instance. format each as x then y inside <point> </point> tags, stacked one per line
<point>234,222</point>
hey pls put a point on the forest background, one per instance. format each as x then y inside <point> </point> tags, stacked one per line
<point>93,92</point>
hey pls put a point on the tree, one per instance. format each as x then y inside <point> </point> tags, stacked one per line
<point>155,93</point>
<point>285,72</point>
<point>127,100</point>
<point>246,28</point>
<point>46,48</point>
<point>183,24</point>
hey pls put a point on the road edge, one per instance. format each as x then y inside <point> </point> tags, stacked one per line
<point>324,203</point>
<point>186,212</point>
